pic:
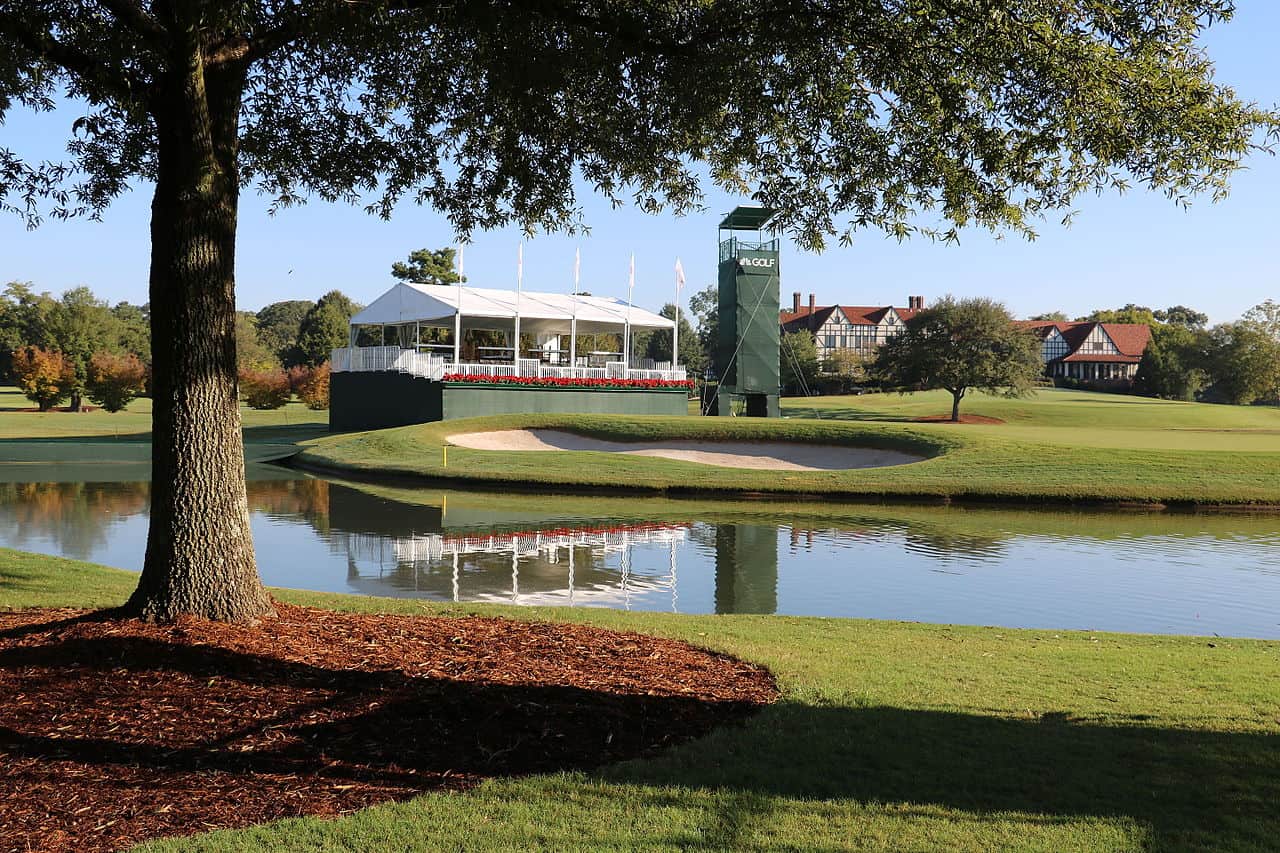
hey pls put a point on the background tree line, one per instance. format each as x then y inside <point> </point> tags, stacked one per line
<point>72,347</point>
<point>1236,362</point>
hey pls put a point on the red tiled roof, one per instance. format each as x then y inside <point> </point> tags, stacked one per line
<point>1129,338</point>
<point>858,315</point>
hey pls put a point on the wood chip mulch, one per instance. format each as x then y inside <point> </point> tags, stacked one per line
<point>113,731</point>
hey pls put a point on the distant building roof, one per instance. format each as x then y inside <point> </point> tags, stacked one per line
<point>858,315</point>
<point>1131,339</point>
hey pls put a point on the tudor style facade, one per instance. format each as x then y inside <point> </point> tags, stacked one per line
<point>1091,352</point>
<point>855,328</point>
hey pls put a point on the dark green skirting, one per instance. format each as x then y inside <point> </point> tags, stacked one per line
<point>360,401</point>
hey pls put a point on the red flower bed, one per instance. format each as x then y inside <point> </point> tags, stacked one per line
<point>567,382</point>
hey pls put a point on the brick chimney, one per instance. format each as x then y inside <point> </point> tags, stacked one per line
<point>812,310</point>
<point>795,302</point>
<point>915,303</point>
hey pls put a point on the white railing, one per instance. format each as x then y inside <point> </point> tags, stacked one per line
<point>428,365</point>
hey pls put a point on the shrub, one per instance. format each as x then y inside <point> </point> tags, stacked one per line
<point>46,377</point>
<point>115,380</point>
<point>264,389</point>
<point>312,386</point>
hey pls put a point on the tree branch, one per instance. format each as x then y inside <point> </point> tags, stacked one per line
<point>131,14</point>
<point>74,61</point>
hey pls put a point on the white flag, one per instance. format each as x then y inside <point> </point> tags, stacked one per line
<point>461,246</point>
<point>520,266</point>
<point>577,269</point>
<point>631,279</point>
<point>679,276</point>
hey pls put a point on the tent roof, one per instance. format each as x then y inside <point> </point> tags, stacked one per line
<point>407,302</point>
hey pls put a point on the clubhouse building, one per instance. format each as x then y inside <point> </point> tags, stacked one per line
<point>1101,353</point>
<point>855,328</point>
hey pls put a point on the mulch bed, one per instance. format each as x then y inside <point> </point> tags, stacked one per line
<point>113,731</point>
<point>964,419</point>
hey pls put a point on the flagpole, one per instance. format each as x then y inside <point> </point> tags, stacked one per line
<point>626,329</point>
<point>675,331</point>
<point>519,291</point>
<point>573,324</point>
<point>457,316</point>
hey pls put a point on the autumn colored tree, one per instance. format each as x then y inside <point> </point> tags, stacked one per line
<point>920,118</point>
<point>46,377</point>
<point>114,381</point>
<point>312,387</point>
<point>265,388</point>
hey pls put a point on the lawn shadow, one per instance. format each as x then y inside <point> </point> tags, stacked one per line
<point>845,414</point>
<point>1194,789</point>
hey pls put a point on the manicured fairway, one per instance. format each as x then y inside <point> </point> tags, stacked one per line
<point>888,736</point>
<point>1057,446</point>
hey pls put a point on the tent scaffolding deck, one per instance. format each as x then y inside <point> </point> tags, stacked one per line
<point>471,374</point>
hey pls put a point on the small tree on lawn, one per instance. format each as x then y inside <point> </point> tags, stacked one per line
<point>962,344</point>
<point>115,380</point>
<point>46,377</point>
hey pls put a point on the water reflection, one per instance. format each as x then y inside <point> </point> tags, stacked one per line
<point>1147,572</point>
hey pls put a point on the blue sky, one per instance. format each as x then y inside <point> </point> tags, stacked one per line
<point>1138,247</point>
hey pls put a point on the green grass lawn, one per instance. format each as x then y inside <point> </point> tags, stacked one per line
<point>887,736</point>
<point>98,436</point>
<point>1056,446</point>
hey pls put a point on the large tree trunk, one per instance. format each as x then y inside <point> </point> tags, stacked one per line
<point>200,558</point>
<point>956,397</point>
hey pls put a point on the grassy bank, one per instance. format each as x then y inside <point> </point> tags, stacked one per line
<point>1057,446</point>
<point>888,735</point>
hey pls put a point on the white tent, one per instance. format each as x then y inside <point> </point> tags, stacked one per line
<point>439,305</point>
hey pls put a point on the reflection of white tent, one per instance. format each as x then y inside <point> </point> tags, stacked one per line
<point>439,305</point>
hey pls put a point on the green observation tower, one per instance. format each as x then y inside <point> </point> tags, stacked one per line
<point>747,351</point>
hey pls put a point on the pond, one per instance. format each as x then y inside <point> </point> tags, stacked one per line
<point>1118,571</point>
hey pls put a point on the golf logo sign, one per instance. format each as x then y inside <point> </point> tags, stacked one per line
<point>760,263</point>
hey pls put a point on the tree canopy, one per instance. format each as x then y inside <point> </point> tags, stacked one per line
<point>842,115</point>
<point>428,266</point>
<point>325,327</point>
<point>959,344</point>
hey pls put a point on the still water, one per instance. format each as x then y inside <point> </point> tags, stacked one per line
<point>1120,571</point>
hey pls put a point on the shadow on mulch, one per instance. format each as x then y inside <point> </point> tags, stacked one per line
<point>113,731</point>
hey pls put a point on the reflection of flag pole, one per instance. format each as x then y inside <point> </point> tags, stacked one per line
<point>573,324</point>
<point>626,337</point>
<point>675,331</point>
<point>519,291</point>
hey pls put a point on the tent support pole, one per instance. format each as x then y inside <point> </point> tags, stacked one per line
<point>457,337</point>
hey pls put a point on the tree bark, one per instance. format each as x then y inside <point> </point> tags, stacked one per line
<point>200,558</point>
<point>956,397</point>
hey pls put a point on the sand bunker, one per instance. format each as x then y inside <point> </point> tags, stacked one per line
<point>761,455</point>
